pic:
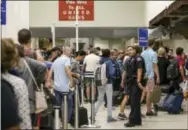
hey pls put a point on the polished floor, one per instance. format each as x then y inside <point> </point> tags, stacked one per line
<point>162,121</point>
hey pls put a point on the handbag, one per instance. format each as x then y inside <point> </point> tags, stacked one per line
<point>40,101</point>
<point>156,95</point>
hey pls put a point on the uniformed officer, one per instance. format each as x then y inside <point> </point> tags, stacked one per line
<point>134,76</point>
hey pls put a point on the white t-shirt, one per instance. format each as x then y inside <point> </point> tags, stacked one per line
<point>91,61</point>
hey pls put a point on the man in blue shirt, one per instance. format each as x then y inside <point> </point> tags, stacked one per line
<point>61,68</point>
<point>150,58</point>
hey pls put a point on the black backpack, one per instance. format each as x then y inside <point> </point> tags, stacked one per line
<point>173,70</point>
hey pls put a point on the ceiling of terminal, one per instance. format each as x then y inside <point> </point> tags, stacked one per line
<point>62,32</point>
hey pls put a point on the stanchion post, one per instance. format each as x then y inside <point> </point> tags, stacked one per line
<point>92,125</point>
<point>56,117</point>
<point>76,108</point>
<point>53,34</point>
<point>92,103</point>
<point>65,112</point>
<point>76,24</point>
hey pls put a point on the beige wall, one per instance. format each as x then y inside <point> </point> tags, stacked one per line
<point>106,14</point>
<point>109,43</point>
<point>17,18</point>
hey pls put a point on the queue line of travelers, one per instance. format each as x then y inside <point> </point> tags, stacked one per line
<point>133,71</point>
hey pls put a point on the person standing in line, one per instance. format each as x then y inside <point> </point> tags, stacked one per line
<point>39,71</point>
<point>134,80</point>
<point>9,108</point>
<point>181,62</point>
<point>63,80</point>
<point>108,87</point>
<point>90,63</point>
<point>75,69</point>
<point>163,64</point>
<point>9,59</point>
<point>150,58</point>
<point>24,38</point>
<point>104,58</point>
<point>122,115</point>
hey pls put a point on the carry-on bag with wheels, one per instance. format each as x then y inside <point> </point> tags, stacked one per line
<point>173,104</point>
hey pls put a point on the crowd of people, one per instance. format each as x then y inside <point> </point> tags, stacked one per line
<point>132,71</point>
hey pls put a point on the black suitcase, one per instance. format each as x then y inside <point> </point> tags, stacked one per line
<point>47,121</point>
<point>83,117</point>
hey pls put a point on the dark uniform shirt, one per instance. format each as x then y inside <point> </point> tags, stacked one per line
<point>132,65</point>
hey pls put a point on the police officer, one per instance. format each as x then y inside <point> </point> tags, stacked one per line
<point>135,73</point>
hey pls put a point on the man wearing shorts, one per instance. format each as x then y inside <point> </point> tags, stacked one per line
<point>90,63</point>
<point>150,58</point>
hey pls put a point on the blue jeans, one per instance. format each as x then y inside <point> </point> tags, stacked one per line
<point>60,98</point>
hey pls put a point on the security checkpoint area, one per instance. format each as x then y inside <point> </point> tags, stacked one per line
<point>86,64</point>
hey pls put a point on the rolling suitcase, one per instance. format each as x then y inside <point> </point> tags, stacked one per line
<point>83,117</point>
<point>82,114</point>
<point>161,103</point>
<point>173,104</point>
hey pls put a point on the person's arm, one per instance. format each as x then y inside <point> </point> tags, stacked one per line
<point>155,66</point>
<point>123,79</point>
<point>68,71</point>
<point>39,70</point>
<point>139,72</point>
<point>84,65</point>
<point>49,78</point>
<point>182,71</point>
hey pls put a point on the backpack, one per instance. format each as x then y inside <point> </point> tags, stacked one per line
<point>114,71</point>
<point>100,77</point>
<point>173,70</point>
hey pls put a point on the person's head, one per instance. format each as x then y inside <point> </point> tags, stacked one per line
<point>55,52</point>
<point>179,51</point>
<point>128,50</point>
<point>67,51</point>
<point>80,55</point>
<point>151,43</point>
<point>98,48</point>
<point>121,53</point>
<point>114,55</point>
<point>93,51</point>
<point>170,52</point>
<point>134,50</point>
<point>161,52</point>
<point>20,49</point>
<point>24,37</point>
<point>184,56</point>
<point>115,50</point>
<point>9,55</point>
<point>105,53</point>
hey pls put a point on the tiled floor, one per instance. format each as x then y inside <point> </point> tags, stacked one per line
<point>162,121</point>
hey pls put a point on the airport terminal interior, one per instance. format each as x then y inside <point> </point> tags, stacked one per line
<point>42,42</point>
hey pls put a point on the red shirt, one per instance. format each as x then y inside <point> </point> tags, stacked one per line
<point>181,61</point>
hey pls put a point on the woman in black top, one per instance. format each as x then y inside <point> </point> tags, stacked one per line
<point>163,63</point>
<point>9,107</point>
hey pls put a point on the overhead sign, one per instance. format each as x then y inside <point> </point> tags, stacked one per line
<point>3,12</point>
<point>67,10</point>
<point>143,37</point>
